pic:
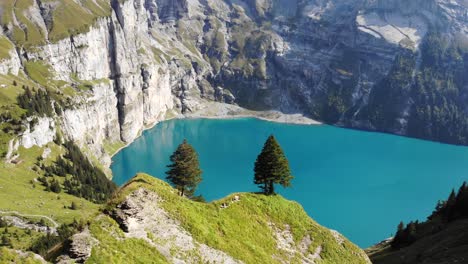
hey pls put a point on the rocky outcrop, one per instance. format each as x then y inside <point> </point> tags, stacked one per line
<point>81,246</point>
<point>140,214</point>
<point>24,224</point>
<point>156,222</point>
<point>40,134</point>
<point>10,64</point>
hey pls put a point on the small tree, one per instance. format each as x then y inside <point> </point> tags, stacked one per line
<point>272,167</point>
<point>399,236</point>
<point>184,172</point>
<point>5,241</point>
<point>55,186</point>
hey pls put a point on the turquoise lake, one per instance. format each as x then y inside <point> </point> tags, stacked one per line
<point>359,183</point>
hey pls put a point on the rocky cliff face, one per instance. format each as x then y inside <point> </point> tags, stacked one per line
<point>145,58</point>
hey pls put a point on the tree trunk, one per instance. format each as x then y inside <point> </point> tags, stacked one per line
<point>271,188</point>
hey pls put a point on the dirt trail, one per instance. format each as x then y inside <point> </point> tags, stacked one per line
<point>29,215</point>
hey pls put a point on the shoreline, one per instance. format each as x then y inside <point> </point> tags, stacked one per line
<point>222,111</point>
<point>216,110</point>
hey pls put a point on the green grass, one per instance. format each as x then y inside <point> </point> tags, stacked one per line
<point>18,193</point>
<point>113,147</point>
<point>86,85</point>
<point>242,230</point>
<point>69,17</point>
<point>10,256</point>
<point>5,47</point>
<point>114,247</point>
<point>17,235</point>
<point>8,104</point>
<point>31,35</point>
<point>38,71</point>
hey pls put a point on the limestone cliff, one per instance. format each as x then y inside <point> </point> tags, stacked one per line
<point>143,59</point>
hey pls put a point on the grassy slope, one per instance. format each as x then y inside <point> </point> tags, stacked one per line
<point>10,256</point>
<point>5,47</point>
<point>447,246</point>
<point>19,194</point>
<point>69,18</point>
<point>8,104</point>
<point>241,231</point>
<point>115,248</point>
<point>17,191</point>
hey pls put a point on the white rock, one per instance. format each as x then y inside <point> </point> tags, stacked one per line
<point>41,134</point>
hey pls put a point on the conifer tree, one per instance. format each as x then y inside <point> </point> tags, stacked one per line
<point>272,167</point>
<point>5,241</point>
<point>184,172</point>
<point>399,236</point>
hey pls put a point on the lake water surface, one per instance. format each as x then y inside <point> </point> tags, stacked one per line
<point>359,183</point>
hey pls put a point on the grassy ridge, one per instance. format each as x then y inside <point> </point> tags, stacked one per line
<point>242,230</point>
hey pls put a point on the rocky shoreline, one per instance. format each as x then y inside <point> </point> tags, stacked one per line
<point>215,110</point>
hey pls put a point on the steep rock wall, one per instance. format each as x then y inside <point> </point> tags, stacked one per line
<point>321,58</point>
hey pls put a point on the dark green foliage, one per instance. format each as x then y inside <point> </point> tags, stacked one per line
<point>184,172</point>
<point>82,178</point>
<point>54,186</point>
<point>36,102</point>
<point>426,97</point>
<point>58,138</point>
<point>456,207</point>
<point>43,244</point>
<point>11,122</point>
<point>58,108</point>
<point>439,110</point>
<point>42,222</point>
<point>5,241</point>
<point>405,235</point>
<point>3,223</point>
<point>390,95</point>
<point>272,167</point>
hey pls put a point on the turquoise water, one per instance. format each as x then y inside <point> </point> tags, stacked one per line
<point>359,183</point>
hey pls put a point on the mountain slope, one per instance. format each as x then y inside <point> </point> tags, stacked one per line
<point>442,238</point>
<point>147,220</point>
<point>377,65</point>
<point>447,246</point>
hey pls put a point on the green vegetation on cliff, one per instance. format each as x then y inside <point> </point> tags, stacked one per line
<point>439,239</point>
<point>246,229</point>
<point>12,256</point>
<point>82,178</point>
<point>63,19</point>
